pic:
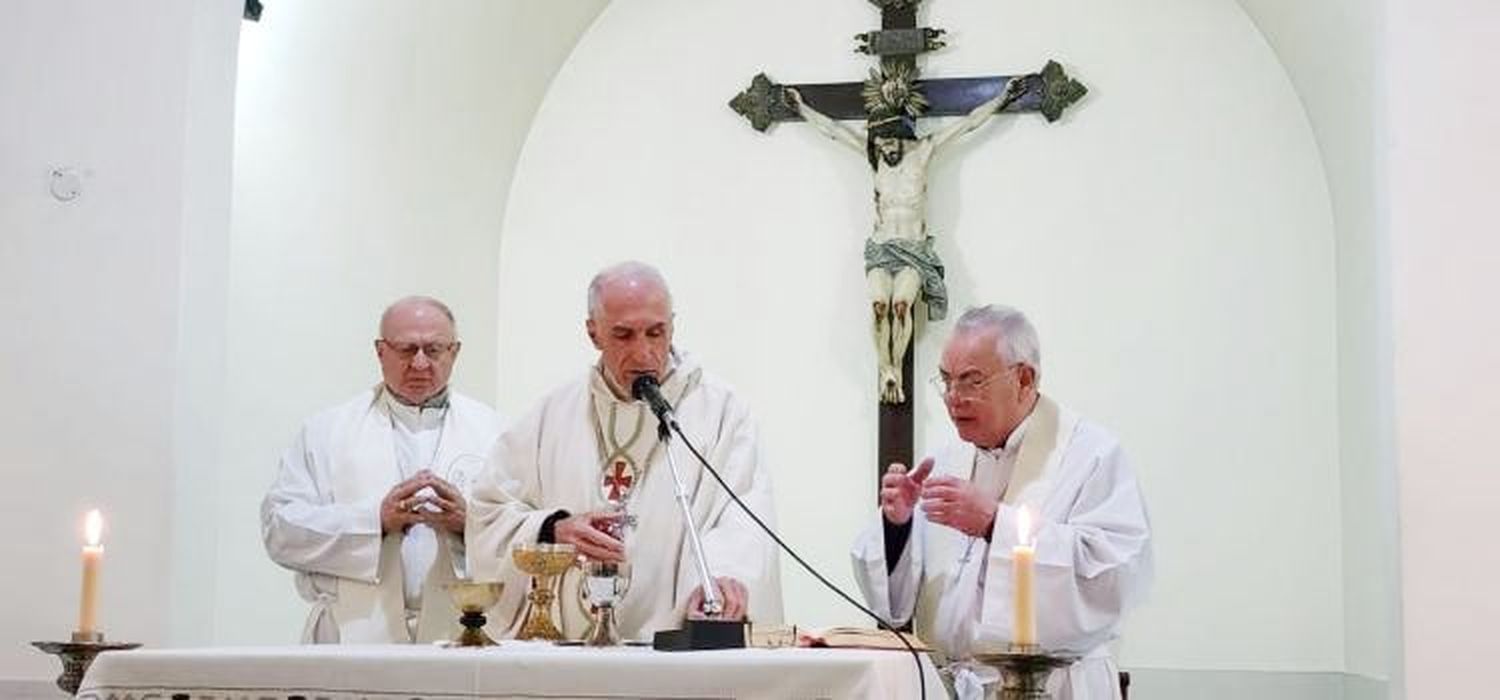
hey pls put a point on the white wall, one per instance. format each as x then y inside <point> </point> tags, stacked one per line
<point>164,364</point>
<point>1330,50</point>
<point>122,292</point>
<point>373,152</point>
<point>1173,239</point>
<point>136,99</point>
<point>1441,165</point>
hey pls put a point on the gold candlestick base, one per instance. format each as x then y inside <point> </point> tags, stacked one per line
<point>78,655</point>
<point>1024,670</point>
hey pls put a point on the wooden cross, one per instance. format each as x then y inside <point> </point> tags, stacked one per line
<point>897,44</point>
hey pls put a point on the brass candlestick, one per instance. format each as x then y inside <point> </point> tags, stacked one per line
<point>77,655</point>
<point>1024,670</point>
<point>545,563</point>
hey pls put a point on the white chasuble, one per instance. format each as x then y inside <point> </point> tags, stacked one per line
<point>321,518</point>
<point>582,449</point>
<point>1093,552</point>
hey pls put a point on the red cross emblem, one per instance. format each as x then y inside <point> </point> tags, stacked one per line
<point>618,480</point>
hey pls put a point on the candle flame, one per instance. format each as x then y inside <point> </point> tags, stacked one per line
<point>93,527</point>
<point>1023,526</point>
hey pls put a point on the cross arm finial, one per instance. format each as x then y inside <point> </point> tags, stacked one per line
<point>762,103</point>
<point>1059,91</point>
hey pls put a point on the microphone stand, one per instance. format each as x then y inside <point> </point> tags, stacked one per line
<point>711,603</point>
<point>706,633</point>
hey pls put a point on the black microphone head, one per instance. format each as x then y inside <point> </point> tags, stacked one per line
<point>641,388</point>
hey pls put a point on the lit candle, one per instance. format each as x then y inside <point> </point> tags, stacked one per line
<point>1023,565</point>
<point>93,553</point>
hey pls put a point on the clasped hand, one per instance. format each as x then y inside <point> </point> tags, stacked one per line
<point>424,498</point>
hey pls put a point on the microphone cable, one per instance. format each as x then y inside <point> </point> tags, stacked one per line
<point>879,621</point>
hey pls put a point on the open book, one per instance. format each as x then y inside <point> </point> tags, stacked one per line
<point>834,637</point>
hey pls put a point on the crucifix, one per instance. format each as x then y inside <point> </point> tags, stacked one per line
<point>901,263</point>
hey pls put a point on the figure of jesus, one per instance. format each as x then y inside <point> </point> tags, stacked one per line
<point>900,262</point>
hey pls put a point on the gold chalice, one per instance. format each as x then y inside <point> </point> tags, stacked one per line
<point>474,599</point>
<point>544,562</point>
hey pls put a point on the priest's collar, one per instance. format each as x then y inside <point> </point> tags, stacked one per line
<point>429,411</point>
<point>438,400</point>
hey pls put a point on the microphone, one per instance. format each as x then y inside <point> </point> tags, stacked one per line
<point>646,388</point>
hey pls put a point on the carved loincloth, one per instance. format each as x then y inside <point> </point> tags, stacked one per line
<point>895,254</point>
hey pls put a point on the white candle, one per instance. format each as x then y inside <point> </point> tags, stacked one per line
<point>93,554</point>
<point>1023,565</point>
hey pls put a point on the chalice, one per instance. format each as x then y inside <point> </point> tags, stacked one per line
<point>545,563</point>
<point>474,599</point>
<point>604,583</point>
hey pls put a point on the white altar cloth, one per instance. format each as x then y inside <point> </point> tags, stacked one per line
<point>511,670</point>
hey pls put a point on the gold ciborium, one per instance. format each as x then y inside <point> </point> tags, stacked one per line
<point>474,599</point>
<point>545,563</point>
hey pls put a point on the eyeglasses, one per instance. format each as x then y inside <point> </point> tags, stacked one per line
<point>966,384</point>
<point>408,351</point>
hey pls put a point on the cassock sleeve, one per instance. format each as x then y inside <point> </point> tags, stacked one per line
<point>504,511</point>
<point>305,531</point>
<point>889,588</point>
<point>1089,568</point>
<point>733,544</point>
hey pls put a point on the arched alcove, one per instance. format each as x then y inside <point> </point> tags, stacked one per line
<point>1171,237</point>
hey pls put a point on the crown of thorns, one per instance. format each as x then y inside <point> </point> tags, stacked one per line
<point>898,126</point>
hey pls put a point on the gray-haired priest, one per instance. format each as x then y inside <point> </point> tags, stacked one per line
<point>368,507</point>
<point>585,468</point>
<point>942,555</point>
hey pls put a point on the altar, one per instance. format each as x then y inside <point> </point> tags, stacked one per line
<point>511,670</point>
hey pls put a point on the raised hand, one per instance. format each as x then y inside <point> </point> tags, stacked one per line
<point>899,491</point>
<point>959,504</point>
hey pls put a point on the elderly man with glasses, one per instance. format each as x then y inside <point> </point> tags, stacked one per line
<point>941,556</point>
<point>369,505</point>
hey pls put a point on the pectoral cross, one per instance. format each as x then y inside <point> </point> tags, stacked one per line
<point>900,264</point>
<point>618,481</point>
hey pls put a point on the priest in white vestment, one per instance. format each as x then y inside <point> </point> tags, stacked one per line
<point>585,468</point>
<point>939,555</point>
<point>369,505</point>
